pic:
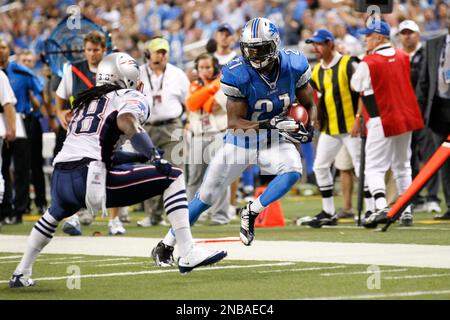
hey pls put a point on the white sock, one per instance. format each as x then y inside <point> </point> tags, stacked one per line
<point>170,239</point>
<point>380,203</point>
<point>176,205</point>
<point>256,205</point>
<point>40,236</point>
<point>328,205</point>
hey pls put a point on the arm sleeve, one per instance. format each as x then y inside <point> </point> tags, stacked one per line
<point>135,103</point>
<point>361,78</point>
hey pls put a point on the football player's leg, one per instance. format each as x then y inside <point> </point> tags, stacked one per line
<point>284,161</point>
<point>378,161</point>
<point>353,146</point>
<point>67,198</point>
<point>327,149</point>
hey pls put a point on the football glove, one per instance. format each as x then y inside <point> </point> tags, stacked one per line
<point>283,123</point>
<point>303,135</point>
<point>163,166</point>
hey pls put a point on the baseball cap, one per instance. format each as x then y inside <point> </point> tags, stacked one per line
<point>225,27</point>
<point>408,25</point>
<point>379,27</point>
<point>321,35</point>
<point>158,44</point>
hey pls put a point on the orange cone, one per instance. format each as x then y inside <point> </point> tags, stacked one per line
<point>272,215</point>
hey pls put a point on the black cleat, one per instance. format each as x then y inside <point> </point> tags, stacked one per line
<point>323,219</point>
<point>247,231</point>
<point>376,218</point>
<point>163,255</point>
<point>406,220</point>
<point>19,281</point>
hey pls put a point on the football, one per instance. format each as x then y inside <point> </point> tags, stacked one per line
<point>298,113</point>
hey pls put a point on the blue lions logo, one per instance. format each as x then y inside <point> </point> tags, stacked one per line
<point>272,29</point>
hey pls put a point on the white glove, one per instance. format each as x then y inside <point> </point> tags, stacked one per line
<point>284,124</point>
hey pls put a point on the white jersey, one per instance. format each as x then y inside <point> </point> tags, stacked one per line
<point>93,131</point>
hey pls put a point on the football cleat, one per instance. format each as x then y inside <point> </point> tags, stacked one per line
<point>406,220</point>
<point>375,218</point>
<point>115,227</point>
<point>72,227</point>
<point>323,219</point>
<point>198,257</point>
<point>19,281</point>
<point>433,206</point>
<point>247,231</point>
<point>163,255</point>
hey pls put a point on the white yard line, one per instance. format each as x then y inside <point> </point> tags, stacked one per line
<point>10,257</point>
<point>302,269</point>
<point>382,295</point>
<point>123,264</point>
<point>121,274</point>
<point>418,276</point>
<point>360,272</point>
<point>89,261</point>
<point>380,254</point>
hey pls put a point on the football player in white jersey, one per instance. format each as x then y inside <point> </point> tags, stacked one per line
<point>101,115</point>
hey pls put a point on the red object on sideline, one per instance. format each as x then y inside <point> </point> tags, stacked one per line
<point>272,215</point>
<point>430,168</point>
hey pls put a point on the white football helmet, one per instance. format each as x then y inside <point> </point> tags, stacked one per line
<point>118,68</point>
<point>259,42</point>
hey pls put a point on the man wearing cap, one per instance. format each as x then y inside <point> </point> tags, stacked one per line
<point>391,113</point>
<point>224,37</point>
<point>166,88</point>
<point>422,143</point>
<point>336,113</point>
<point>433,94</point>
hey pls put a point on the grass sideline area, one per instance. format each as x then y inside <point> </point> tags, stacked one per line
<point>106,277</point>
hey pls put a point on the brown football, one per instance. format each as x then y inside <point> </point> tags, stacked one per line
<point>298,113</point>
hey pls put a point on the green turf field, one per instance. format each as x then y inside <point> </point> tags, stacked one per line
<point>107,277</point>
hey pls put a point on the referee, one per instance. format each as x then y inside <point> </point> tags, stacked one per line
<point>336,114</point>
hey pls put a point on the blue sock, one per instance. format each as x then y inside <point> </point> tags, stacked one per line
<point>308,155</point>
<point>196,207</point>
<point>278,187</point>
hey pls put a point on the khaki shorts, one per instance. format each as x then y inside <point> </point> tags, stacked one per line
<point>343,160</point>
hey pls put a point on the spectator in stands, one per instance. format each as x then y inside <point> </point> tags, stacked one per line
<point>225,40</point>
<point>433,94</point>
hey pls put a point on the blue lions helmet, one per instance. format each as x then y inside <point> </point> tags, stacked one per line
<point>259,42</point>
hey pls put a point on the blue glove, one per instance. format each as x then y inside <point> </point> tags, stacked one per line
<point>162,165</point>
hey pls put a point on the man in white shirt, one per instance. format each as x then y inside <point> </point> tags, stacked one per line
<point>7,102</point>
<point>166,88</point>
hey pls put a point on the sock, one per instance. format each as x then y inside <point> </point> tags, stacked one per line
<point>368,199</point>
<point>40,236</point>
<point>257,206</point>
<point>278,187</point>
<point>380,200</point>
<point>328,205</point>
<point>196,208</point>
<point>170,239</point>
<point>176,206</point>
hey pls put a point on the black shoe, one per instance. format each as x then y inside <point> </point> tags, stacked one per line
<point>163,255</point>
<point>323,219</point>
<point>406,220</point>
<point>445,216</point>
<point>375,218</point>
<point>41,210</point>
<point>13,220</point>
<point>247,230</point>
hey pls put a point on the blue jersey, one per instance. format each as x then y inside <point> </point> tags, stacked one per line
<point>265,97</point>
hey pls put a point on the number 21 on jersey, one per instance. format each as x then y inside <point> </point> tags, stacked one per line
<point>266,105</point>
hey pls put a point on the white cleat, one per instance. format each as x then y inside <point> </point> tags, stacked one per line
<point>433,206</point>
<point>115,227</point>
<point>198,257</point>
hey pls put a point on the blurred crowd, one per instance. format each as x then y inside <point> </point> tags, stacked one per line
<point>189,27</point>
<point>27,24</point>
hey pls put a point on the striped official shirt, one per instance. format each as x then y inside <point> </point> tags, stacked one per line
<point>338,103</point>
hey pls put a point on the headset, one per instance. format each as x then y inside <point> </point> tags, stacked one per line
<point>146,51</point>
<point>215,62</point>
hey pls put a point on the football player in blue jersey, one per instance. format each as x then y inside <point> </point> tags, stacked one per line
<point>260,86</point>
